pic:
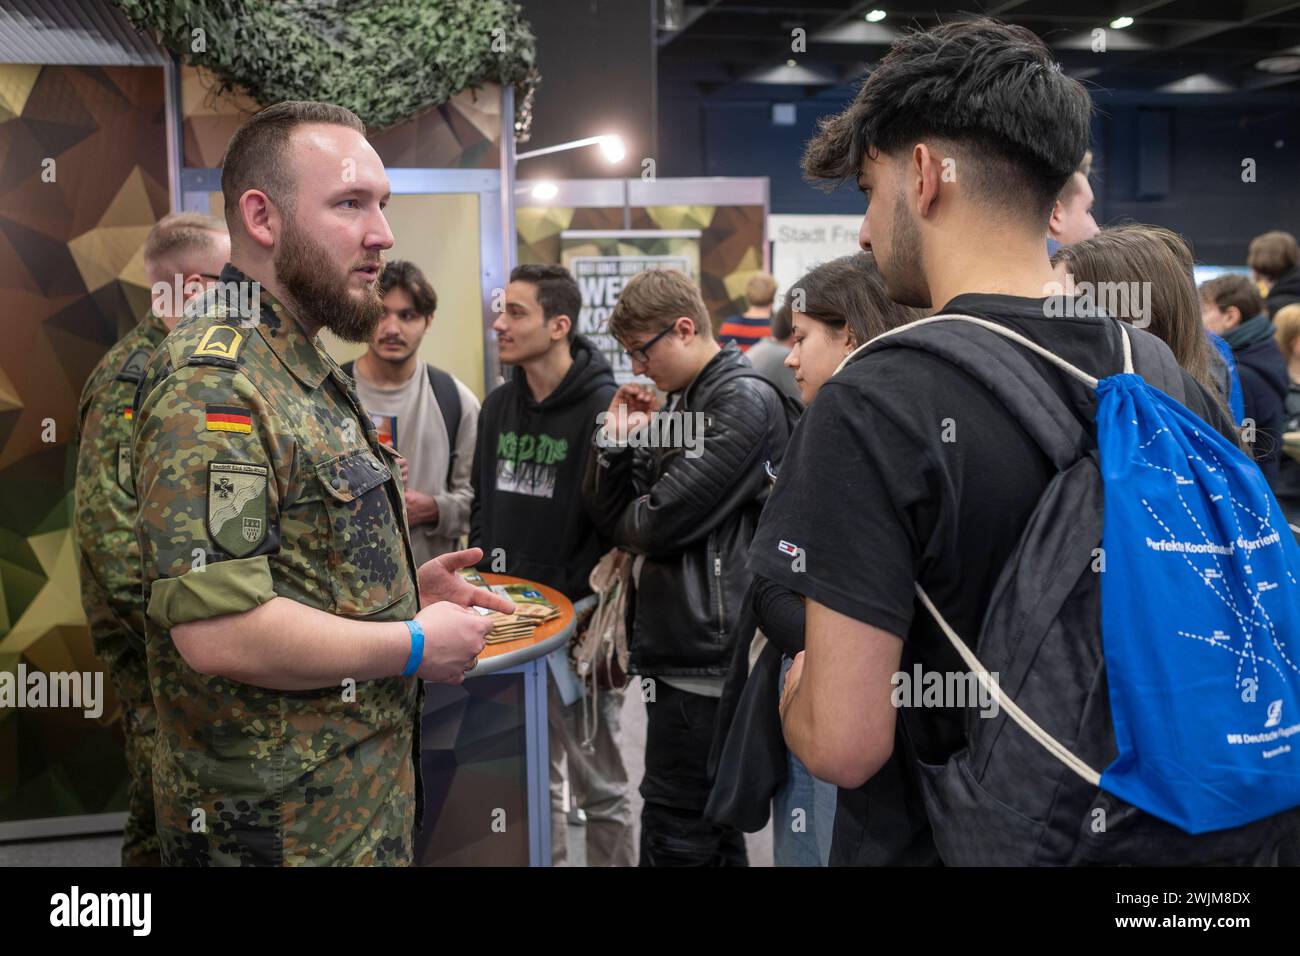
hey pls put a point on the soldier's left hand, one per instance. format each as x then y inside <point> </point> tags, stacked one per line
<point>440,582</point>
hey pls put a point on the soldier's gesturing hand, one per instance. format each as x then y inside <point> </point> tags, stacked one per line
<point>440,582</point>
<point>454,638</point>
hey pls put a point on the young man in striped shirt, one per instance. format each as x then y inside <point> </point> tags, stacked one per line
<point>755,323</point>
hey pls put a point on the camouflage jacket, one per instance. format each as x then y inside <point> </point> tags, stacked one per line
<point>104,504</point>
<point>258,475</point>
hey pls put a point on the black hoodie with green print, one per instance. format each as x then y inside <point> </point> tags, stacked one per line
<point>528,515</point>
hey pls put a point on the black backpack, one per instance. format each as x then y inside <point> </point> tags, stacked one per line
<point>1023,791</point>
<point>447,396</point>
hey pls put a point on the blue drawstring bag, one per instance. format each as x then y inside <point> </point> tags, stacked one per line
<point>1142,624</point>
<point>1200,618</point>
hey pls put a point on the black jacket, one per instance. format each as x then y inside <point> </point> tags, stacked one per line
<point>529,515</point>
<point>693,518</point>
<point>748,758</point>
<point>1285,291</point>
<point>1288,484</point>
<point>1263,389</point>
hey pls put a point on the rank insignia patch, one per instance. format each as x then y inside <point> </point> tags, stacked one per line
<point>229,418</point>
<point>133,370</point>
<point>220,342</point>
<point>237,506</point>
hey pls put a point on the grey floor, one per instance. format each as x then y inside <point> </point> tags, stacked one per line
<point>105,850</point>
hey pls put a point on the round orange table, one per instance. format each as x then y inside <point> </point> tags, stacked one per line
<point>475,776</point>
<point>545,638</point>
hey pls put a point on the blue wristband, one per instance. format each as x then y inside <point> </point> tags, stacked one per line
<point>417,648</point>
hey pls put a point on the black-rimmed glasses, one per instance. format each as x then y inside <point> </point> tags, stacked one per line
<point>639,354</point>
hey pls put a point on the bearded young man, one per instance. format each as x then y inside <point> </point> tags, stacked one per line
<point>985,99</point>
<point>425,414</point>
<point>289,631</point>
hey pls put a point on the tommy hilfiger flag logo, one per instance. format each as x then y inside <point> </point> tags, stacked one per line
<point>228,418</point>
<point>785,547</point>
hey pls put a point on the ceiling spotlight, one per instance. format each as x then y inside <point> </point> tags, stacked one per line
<point>545,191</point>
<point>1119,23</point>
<point>1288,63</point>
<point>874,16</point>
<point>612,147</point>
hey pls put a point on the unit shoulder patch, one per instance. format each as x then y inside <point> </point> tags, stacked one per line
<point>124,479</point>
<point>237,506</point>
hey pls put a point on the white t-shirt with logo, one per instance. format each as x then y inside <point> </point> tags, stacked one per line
<point>408,418</point>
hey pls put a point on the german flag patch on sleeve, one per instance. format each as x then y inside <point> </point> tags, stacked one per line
<point>229,418</point>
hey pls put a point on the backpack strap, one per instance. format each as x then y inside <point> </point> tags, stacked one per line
<point>1040,410</point>
<point>1006,372</point>
<point>447,395</point>
<point>1155,362</point>
<point>1023,720</point>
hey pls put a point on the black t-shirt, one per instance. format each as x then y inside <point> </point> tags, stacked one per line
<point>906,469</point>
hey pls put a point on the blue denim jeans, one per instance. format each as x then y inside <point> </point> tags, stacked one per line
<point>801,839</point>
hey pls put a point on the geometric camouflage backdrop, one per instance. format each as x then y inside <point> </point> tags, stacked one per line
<point>71,281</point>
<point>731,241</point>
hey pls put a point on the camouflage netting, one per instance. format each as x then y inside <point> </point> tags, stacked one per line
<point>386,60</point>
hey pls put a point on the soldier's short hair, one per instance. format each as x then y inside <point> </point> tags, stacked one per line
<point>654,299</point>
<point>176,236</point>
<point>1272,254</point>
<point>400,274</point>
<point>255,155</point>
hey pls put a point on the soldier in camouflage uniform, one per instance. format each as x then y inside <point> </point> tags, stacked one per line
<point>192,247</point>
<point>277,564</point>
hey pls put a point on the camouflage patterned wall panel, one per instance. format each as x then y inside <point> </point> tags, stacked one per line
<point>731,241</point>
<point>83,176</point>
<point>464,133</point>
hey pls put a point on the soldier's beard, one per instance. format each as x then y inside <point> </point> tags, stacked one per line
<point>324,296</point>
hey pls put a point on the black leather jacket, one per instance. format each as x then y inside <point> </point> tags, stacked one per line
<point>693,518</point>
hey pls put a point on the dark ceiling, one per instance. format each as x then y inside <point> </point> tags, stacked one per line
<point>727,48</point>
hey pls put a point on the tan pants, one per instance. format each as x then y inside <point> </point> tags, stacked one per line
<point>598,780</point>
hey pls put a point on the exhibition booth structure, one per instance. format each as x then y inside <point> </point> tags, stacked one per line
<point>106,126</point>
<point>606,230</point>
<point>105,129</point>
